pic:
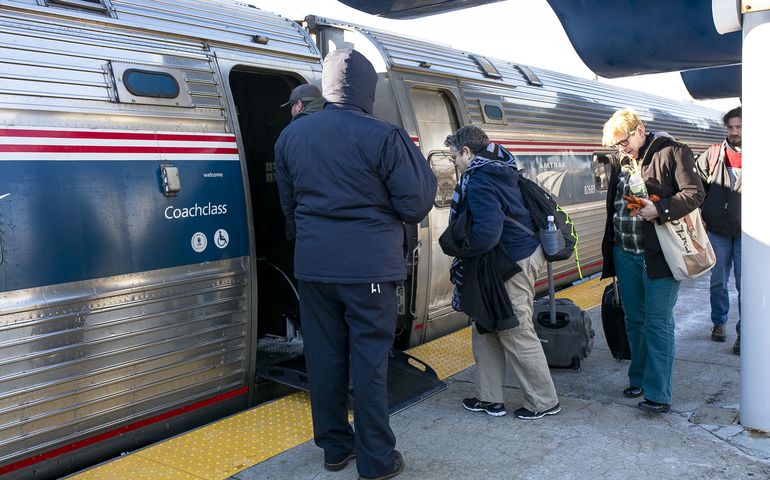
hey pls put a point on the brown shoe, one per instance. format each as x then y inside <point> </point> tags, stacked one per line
<point>398,467</point>
<point>719,333</point>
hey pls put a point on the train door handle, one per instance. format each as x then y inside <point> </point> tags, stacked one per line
<point>415,258</point>
<point>169,177</point>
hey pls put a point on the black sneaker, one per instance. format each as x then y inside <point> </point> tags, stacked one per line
<point>633,392</point>
<point>476,405</point>
<point>398,467</point>
<point>530,415</point>
<point>737,345</point>
<point>654,407</point>
<point>719,333</point>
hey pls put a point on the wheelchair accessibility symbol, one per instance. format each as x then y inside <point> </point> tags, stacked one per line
<point>221,238</point>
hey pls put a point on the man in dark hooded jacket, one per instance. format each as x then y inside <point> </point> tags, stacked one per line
<point>349,180</point>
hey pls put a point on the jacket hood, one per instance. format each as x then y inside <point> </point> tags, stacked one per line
<point>656,140</point>
<point>495,160</point>
<point>350,79</point>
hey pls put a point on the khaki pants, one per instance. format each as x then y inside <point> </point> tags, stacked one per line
<point>520,346</point>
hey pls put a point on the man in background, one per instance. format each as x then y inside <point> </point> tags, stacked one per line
<point>720,170</point>
<point>304,100</point>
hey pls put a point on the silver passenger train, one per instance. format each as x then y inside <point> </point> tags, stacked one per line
<point>144,272</point>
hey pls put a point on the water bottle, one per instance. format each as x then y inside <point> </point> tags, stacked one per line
<point>636,185</point>
<point>551,238</point>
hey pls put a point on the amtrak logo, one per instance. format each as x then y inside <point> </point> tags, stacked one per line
<point>4,195</point>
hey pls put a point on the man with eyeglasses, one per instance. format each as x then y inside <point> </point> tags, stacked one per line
<point>646,163</point>
<point>720,170</point>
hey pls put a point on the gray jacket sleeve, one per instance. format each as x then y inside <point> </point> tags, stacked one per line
<point>408,177</point>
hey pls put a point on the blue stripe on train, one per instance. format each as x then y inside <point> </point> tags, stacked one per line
<point>66,221</point>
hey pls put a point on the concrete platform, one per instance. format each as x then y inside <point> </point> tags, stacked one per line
<point>598,435</point>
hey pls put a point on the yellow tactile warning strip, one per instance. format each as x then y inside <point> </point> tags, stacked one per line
<point>586,295</point>
<point>447,355</point>
<point>226,447</point>
<point>218,450</point>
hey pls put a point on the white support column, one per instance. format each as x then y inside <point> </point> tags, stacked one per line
<point>755,283</point>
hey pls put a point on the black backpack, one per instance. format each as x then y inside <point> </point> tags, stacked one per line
<point>541,205</point>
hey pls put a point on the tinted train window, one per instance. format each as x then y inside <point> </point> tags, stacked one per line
<point>569,177</point>
<point>143,83</point>
<point>446,174</point>
<point>493,113</point>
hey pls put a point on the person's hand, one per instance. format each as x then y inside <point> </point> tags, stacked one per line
<point>648,212</point>
<point>637,204</point>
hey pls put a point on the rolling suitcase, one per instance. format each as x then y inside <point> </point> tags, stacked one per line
<point>614,323</point>
<point>564,329</point>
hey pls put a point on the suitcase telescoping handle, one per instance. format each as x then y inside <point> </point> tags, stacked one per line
<point>616,300</point>
<point>551,295</point>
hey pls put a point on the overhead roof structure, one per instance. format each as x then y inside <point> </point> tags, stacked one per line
<point>620,39</point>
<point>405,9</point>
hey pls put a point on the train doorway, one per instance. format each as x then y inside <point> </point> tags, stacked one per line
<point>436,117</point>
<point>257,97</point>
<point>279,351</point>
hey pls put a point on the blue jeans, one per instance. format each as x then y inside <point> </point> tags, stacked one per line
<point>728,251</point>
<point>649,309</point>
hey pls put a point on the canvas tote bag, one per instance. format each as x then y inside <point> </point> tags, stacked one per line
<point>686,246</point>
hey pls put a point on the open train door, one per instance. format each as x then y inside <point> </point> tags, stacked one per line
<point>435,118</point>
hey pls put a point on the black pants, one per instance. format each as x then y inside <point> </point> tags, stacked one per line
<point>350,329</point>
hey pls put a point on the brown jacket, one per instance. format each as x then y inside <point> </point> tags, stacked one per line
<point>668,168</point>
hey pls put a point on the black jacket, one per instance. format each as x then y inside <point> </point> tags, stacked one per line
<point>721,209</point>
<point>484,297</point>
<point>349,181</point>
<point>669,171</point>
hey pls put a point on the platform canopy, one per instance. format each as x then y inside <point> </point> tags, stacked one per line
<point>620,39</point>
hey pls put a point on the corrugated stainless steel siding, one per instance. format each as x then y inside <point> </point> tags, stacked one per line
<point>220,22</point>
<point>83,358</point>
<point>233,23</point>
<point>570,109</point>
<point>564,108</point>
<point>45,64</point>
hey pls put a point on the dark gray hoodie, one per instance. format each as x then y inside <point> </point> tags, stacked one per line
<point>349,180</point>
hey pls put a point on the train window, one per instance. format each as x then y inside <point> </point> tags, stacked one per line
<point>493,113</point>
<point>89,5</point>
<point>446,174</point>
<point>529,75</point>
<point>146,85</point>
<point>143,83</point>
<point>486,67</point>
<point>601,168</point>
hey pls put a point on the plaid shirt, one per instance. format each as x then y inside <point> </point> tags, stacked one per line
<point>628,229</point>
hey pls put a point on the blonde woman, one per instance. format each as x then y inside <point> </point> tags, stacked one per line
<point>646,164</point>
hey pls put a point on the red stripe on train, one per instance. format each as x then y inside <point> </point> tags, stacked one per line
<point>10,132</point>
<point>549,144</point>
<point>119,431</point>
<point>568,273</point>
<point>113,149</point>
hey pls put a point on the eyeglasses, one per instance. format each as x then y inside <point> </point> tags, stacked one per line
<point>624,142</point>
